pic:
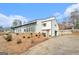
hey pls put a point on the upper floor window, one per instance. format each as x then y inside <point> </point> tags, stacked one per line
<point>44,24</point>
<point>55,25</point>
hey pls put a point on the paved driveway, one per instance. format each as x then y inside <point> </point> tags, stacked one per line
<point>62,45</point>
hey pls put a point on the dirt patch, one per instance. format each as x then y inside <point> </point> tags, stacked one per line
<point>75,33</point>
<point>2,33</point>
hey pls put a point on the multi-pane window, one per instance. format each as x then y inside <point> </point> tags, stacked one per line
<point>25,30</point>
<point>44,24</point>
<point>29,29</point>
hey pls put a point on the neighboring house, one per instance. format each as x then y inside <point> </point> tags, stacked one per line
<point>1,29</point>
<point>47,26</point>
<point>65,26</point>
<point>65,29</point>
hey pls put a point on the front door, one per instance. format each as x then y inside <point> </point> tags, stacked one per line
<point>55,33</point>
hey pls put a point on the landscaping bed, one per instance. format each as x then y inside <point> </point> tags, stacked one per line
<point>17,43</point>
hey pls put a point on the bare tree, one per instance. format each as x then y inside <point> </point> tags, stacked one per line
<point>16,22</point>
<point>74,17</point>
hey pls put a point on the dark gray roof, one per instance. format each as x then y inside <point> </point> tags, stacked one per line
<point>24,24</point>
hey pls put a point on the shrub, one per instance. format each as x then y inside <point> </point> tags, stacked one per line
<point>39,35</point>
<point>28,37</point>
<point>8,37</point>
<point>44,34</point>
<point>36,35</point>
<point>23,36</point>
<point>31,34</point>
<point>17,33</point>
<point>19,41</point>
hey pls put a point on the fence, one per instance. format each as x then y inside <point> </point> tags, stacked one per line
<point>64,32</point>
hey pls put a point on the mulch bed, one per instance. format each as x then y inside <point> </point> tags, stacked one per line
<point>20,43</point>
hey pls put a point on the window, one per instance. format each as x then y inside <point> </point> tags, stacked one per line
<point>32,29</point>
<point>55,25</point>
<point>44,24</point>
<point>24,30</point>
<point>27,30</point>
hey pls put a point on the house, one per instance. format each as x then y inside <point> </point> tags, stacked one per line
<point>48,26</point>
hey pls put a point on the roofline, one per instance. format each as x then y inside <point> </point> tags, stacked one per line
<point>33,21</point>
<point>45,18</point>
<point>22,25</point>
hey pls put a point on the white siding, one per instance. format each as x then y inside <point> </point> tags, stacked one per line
<point>38,27</point>
<point>48,26</point>
<point>27,28</point>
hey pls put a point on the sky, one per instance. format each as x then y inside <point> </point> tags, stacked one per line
<point>30,11</point>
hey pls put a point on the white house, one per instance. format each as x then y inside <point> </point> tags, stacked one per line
<point>47,26</point>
